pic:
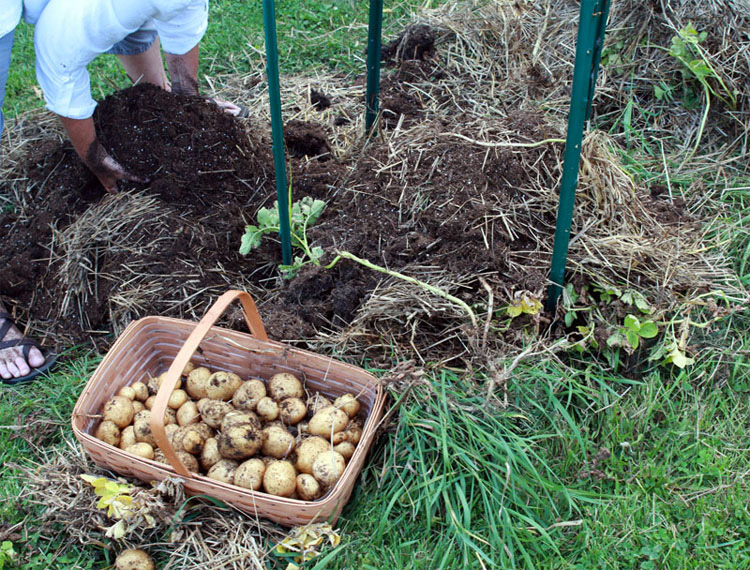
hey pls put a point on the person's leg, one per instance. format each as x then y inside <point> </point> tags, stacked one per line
<point>146,66</point>
<point>12,362</point>
<point>6,45</point>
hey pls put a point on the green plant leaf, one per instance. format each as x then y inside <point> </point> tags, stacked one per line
<point>250,239</point>
<point>648,330</point>
<point>269,218</point>
<point>570,316</point>
<point>633,338</point>
<point>678,358</point>
<point>632,323</point>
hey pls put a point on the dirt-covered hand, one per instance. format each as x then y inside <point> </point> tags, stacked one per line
<point>107,169</point>
<point>227,106</point>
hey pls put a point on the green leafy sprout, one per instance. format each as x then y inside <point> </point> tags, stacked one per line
<point>303,213</point>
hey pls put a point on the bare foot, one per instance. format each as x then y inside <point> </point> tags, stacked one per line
<point>12,362</point>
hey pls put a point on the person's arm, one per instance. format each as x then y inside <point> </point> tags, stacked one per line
<point>183,70</point>
<point>83,136</point>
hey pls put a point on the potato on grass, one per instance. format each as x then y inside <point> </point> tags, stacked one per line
<point>308,487</point>
<point>109,432</point>
<point>348,403</point>
<point>134,559</point>
<point>328,421</point>
<point>307,450</point>
<point>285,385</point>
<point>250,474</point>
<point>267,409</point>
<point>119,409</point>
<point>223,471</point>
<point>328,467</point>
<point>280,479</point>
<point>222,385</point>
<point>240,441</point>
<point>197,381</point>
<point>277,442</point>
<point>249,394</point>
<point>292,411</point>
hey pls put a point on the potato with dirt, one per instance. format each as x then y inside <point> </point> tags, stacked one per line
<point>328,421</point>
<point>249,394</point>
<point>239,441</point>
<point>328,467</point>
<point>307,450</point>
<point>280,479</point>
<point>210,455</point>
<point>188,414</point>
<point>140,390</point>
<point>222,385</point>
<point>277,442</point>
<point>240,417</point>
<point>109,432</point>
<point>127,437</point>
<point>223,471</point>
<point>348,403</point>
<point>119,410</point>
<point>197,382</point>
<point>267,409</point>
<point>134,559</point>
<point>317,402</point>
<point>249,474</point>
<point>292,411</point>
<point>285,385</point>
<point>308,487</point>
<point>213,411</point>
<point>141,450</point>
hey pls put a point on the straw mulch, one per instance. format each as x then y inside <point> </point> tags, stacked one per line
<point>466,168</point>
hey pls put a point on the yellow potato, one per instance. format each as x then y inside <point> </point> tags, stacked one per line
<point>280,479</point>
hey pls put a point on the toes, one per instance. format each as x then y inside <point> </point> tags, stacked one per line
<point>4,372</point>
<point>19,368</point>
<point>36,358</point>
<point>13,368</point>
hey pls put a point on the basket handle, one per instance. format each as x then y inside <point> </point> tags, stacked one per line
<point>156,422</point>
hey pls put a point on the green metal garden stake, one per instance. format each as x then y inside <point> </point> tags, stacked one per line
<point>374,31</point>
<point>591,27</point>
<point>277,130</point>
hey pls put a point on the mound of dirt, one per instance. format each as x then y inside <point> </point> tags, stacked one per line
<point>454,197</point>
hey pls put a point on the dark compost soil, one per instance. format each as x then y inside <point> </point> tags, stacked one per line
<point>209,173</point>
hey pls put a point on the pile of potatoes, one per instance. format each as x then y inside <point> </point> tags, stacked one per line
<point>268,436</point>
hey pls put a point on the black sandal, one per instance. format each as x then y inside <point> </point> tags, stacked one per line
<point>49,358</point>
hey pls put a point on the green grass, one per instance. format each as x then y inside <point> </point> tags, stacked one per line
<point>34,420</point>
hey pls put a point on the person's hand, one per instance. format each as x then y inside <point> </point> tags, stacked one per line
<point>227,107</point>
<point>109,171</point>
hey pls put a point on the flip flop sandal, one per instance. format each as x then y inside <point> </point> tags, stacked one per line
<point>49,358</point>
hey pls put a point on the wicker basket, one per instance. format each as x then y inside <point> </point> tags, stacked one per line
<point>152,345</point>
